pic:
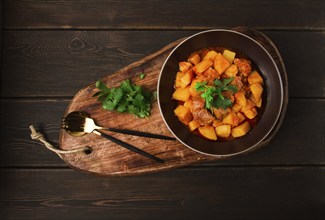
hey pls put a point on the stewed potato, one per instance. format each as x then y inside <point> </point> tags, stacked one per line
<point>219,94</point>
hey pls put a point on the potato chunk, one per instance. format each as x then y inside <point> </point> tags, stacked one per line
<point>231,119</point>
<point>194,58</point>
<point>241,117</point>
<point>193,125</point>
<point>240,99</point>
<point>216,123</point>
<point>231,71</point>
<point>178,82</point>
<point>181,94</point>
<point>241,129</point>
<point>188,104</point>
<point>192,89</point>
<point>236,107</point>
<point>187,78</point>
<point>249,104</point>
<point>211,55</point>
<point>259,103</point>
<point>202,66</point>
<point>255,77</point>
<point>184,66</point>
<point>229,55</point>
<point>183,114</point>
<point>208,132</point>
<point>257,91</point>
<point>223,131</point>
<point>221,63</point>
<point>251,113</point>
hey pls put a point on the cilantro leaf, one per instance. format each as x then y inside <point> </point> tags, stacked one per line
<point>222,102</point>
<point>213,94</point>
<point>226,81</point>
<point>138,99</point>
<point>126,86</point>
<point>218,83</point>
<point>127,97</point>
<point>142,75</point>
<point>104,91</point>
<point>122,106</point>
<point>108,105</point>
<point>208,96</point>
<point>231,88</point>
<point>101,86</point>
<point>200,86</point>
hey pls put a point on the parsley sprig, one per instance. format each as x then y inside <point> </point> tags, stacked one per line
<point>128,97</point>
<point>213,94</point>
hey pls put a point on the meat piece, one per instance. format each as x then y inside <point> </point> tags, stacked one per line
<point>244,66</point>
<point>220,113</point>
<point>199,113</point>
<point>238,83</point>
<point>197,103</point>
<point>228,94</point>
<point>211,74</point>
<point>203,116</point>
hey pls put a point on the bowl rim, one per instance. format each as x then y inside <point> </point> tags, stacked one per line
<point>279,78</point>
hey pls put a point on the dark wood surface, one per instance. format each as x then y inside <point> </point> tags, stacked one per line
<point>52,49</point>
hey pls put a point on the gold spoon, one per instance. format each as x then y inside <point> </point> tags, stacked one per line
<point>79,123</point>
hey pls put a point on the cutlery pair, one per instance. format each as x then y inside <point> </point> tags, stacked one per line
<point>79,123</point>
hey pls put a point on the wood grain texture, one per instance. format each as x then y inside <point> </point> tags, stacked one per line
<point>59,63</point>
<point>207,14</point>
<point>191,193</point>
<point>293,145</point>
<point>46,60</point>
<point>17,148</point>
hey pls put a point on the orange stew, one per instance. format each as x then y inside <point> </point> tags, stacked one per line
<point>219,93</point>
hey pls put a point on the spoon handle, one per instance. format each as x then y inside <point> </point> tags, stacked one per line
<point>141,134</point>
<point>128,146</point>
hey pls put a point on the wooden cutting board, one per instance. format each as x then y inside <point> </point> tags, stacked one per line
<point>110,159</point>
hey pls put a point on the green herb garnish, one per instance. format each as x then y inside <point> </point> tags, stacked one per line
<point>213,94</point>
<point>128,97</point>
<point>142,75</point>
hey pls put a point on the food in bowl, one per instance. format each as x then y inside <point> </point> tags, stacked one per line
<point>219,93</point>
<point>272,97</point>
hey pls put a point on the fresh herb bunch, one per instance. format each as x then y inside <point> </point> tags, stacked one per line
<point>128,97</point>
<point>213,94</point>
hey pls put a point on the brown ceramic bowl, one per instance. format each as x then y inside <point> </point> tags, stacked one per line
<point>273,91</point>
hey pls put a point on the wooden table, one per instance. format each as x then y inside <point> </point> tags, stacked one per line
<point>51,49</point>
